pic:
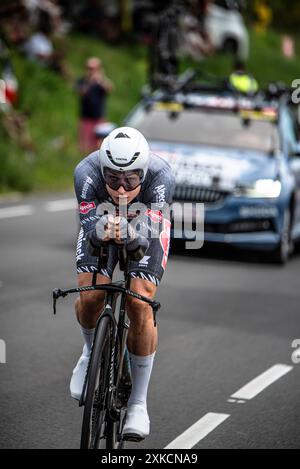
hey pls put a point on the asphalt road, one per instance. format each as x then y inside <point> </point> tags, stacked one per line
<point>226,320</point>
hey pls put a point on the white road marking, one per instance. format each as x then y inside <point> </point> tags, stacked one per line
<point>16,211</point>
<point>198,431</point>
<point>261,382</point>
<point>236,401</point>
<point>61,205</point>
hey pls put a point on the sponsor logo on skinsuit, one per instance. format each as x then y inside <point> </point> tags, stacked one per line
<point>79,253</point>
<point>154,215</point>
<point>160,195</point>
<point>86,187</point>
<point>164,239</point>
<point>145,260</point>
<point>86,207</point>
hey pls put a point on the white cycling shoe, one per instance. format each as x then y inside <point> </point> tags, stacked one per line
<point>137,425</point>
<point>78,376</point>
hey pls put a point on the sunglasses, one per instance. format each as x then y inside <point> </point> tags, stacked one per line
<point>130,180</point>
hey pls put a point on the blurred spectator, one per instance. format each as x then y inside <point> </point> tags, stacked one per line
<point>39,46</point>
<point>14,22</point>
<point>93,90</point>
<point>7,74</point>
<point>50,9</point>
<point>196,40</point>
<point>15,122</point>
<point>11,83</point>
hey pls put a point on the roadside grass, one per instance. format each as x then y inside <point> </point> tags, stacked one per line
<point>52,104</point>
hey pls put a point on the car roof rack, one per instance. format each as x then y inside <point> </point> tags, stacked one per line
<point>215,93</point>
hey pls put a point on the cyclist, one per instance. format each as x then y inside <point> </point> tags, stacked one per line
<point>123,172</point>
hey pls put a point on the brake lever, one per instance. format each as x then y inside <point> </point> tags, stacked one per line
<point>155,308</point>
<point>57,292</point>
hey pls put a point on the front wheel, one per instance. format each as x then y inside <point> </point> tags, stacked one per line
<point>285,248</point>
<point>94,415</point>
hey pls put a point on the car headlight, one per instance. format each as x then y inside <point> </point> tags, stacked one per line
<point>262,188</point>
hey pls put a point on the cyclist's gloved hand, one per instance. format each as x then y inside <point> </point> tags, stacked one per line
<point>136,245</point>
<point>124,231</point>
<point>109,228</point>
<point>98,236</point>
<point>102,229</point>
<point>117,228</point>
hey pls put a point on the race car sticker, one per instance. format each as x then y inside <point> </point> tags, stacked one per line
<point>268,114</point>
<point>201,167</point>
<point>172,107</point>
<point>86,207</point>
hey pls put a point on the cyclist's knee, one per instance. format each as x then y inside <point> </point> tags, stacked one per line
<point>138,311</point>
<point>90,302</point>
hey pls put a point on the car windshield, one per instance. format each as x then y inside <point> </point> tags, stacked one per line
<point>206,127</point>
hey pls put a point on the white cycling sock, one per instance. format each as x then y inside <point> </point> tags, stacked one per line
<point>88,335</point>
<point>141,368</point>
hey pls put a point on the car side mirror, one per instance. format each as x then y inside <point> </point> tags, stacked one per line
<point>102,130</point>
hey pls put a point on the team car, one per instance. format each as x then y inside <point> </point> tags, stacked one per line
<point>237,155</point>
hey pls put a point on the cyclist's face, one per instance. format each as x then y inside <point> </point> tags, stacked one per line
<point>121,196</point>
<point>130,180</point>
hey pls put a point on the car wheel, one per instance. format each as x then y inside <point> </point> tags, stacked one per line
<point>230,46</point>
<point>285,247</point>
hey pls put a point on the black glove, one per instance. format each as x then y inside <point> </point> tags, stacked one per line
<point>95,237</point>
<point>136,244</point>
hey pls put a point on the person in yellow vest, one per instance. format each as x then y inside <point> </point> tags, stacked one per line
<point>242,81</point>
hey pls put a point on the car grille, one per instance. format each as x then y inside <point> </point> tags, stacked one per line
<point>243,226</point>
<point>199,194</point>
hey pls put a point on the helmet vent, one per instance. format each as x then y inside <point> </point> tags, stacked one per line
<point>121,135</point>
<point>123,165</point>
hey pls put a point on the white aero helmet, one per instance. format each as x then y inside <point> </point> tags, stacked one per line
<point>125,149</point>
